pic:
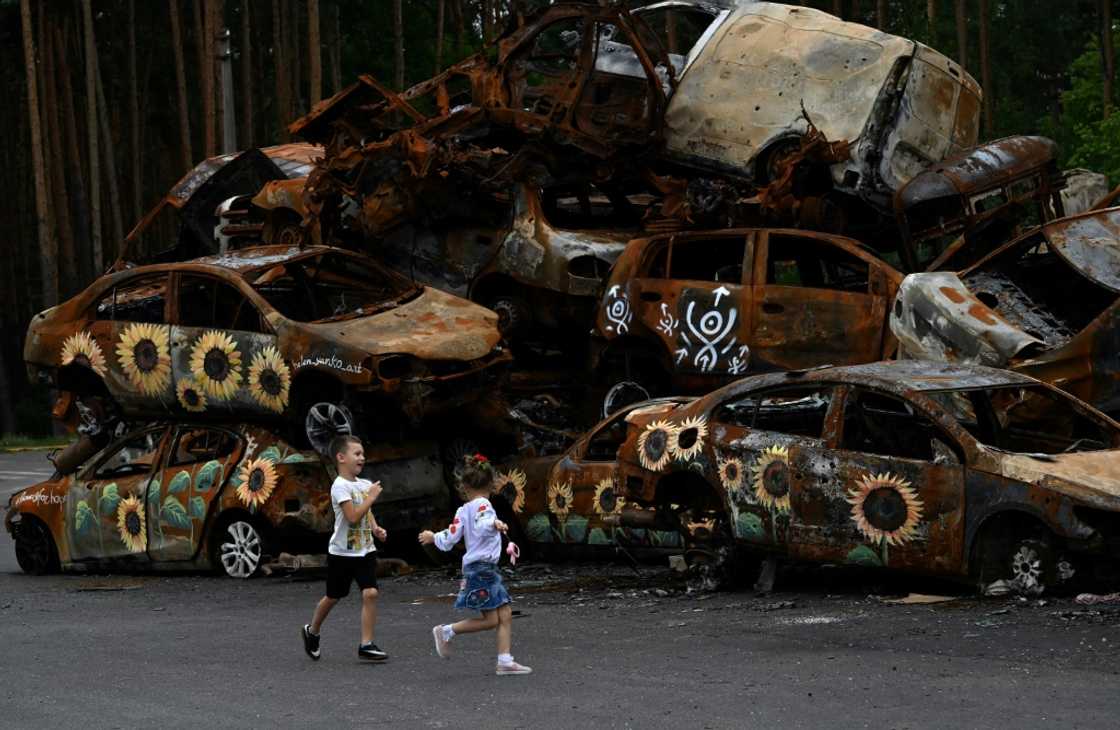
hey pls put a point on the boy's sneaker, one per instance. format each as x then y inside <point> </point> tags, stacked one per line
<point>512,668</point>
<point>371,652</point>
<point>443,646</point>
<point>310,642</point>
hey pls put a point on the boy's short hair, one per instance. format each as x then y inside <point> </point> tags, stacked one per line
<point>341,442</point>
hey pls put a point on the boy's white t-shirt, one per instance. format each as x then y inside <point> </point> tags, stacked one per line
<point>352,541</point>
<point>473,522</point>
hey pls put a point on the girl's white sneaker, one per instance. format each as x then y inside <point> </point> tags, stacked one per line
<point>512,668</point>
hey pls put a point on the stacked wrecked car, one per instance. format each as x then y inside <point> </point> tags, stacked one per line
<point>656,263</point>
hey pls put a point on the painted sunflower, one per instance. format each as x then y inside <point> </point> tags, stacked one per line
<point>607,499</point>
<point>191,396</point>
<point>730,473</point>
<point>885,506</point>
<point>130,524</point>
<point>560,499</point>
<point>687,439</point>
<point>216,364</point>
<point>511,486</point>
<point>269,379</point>
<point>258,479</point>
<point>81,348</point>
<point>771,478</point>
<point>145,356</point>
<point>653,445</point>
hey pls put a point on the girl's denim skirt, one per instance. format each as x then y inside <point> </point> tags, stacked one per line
<point>481,588</point>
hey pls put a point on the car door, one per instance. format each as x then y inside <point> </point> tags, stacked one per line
<point>765,439</point>
<point>815,303</point>
<point>691,296</point>
<point>582,485</point>
<point>128,323</point>
<point>198,463</point>
<point>887,492</point>
<point>223,353</point>
<point>105,507</point>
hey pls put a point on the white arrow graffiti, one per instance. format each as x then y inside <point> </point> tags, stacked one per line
<point>618,311</point>
<point>720,293</point>
<point>710,330</point>
<point>668,323</point>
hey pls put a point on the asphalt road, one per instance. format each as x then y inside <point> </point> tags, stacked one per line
<point>609,646</point>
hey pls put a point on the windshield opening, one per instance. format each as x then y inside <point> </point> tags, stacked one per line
<point>329,286</point>
<point>1029,419</point>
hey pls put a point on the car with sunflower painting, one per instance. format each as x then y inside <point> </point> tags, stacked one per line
<point>314,336</point>
<point>197,496</point>
<point>965,472</point>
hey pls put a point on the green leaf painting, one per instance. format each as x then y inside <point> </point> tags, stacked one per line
<point>173,514</point>
<point>599,536</point>
<point>297,458</point>
<point>539,529</point>
<point>153,495</point>
<point>749,526</point>
<point>864,555</point>
<point>198,507</point>
<point>207,476</point>
<point>271,454</point>
<point>83,518</point>
<point>575,528</point>
<point>179,482</point>
<point>110,498</point>
<point>665,538</point>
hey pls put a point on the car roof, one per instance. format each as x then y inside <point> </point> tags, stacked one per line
<point>923,375</point>
<point>247,259</point>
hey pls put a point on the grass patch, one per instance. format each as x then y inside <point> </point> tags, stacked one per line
<point>20,442</point>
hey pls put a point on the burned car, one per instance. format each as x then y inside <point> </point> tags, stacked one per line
<point>197,496</point>
<point>960,471</point>
<point>319,337</point>
<point>1044,304</point>
<point>688,312</point>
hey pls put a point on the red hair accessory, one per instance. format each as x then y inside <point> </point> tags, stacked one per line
<point>481,459</point>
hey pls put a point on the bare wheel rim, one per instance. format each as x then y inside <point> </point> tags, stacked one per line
<point>1026,570</point>
<point>325,421</point>
<point>241,550</point>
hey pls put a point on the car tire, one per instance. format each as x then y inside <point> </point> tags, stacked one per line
<point>238,547</point>
<point>323,420</point>
<point>1027,564</point>
<point>514,314</point>
<point>36,551</point>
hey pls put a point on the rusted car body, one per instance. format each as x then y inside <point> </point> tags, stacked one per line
<point>690,311</point>
<point>187,216</point>
<point>1044,304</point>
<point>959,471</point>
<point>956,211</point>
<point>270,332</point>
<point>199,496</point>
<point>572,498</point>
<point>707,102</point>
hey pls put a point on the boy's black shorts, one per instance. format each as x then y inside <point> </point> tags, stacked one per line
<point>342,569</point>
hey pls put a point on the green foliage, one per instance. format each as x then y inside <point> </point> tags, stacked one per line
<point>110,498</point>
<point>207,475</point>
<point>173,514</point>
<point>179,482</point>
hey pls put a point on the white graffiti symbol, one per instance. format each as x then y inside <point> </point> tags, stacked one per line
<point>740,362</point>
<point>710,331</point>
<point>668,323</point>
<point>618,310</point>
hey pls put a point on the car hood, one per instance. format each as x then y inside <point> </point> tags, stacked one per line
<point>1092,477</point>
<point>433,326</point>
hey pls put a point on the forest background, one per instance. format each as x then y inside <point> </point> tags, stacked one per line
<point>127,99</point>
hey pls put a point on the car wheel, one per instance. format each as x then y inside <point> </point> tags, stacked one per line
<point>35,549</point>
<point>240,548</point>
<point>1029,566</point>
<point>513,313</point>
<point>323,421</point>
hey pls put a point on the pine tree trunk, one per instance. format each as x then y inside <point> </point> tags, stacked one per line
<point>79,206</point>
<point>439,36</point>
<point>398,45</point>
<point>110,166</point>
<point>134,114</point>
<point>931,21</point>
<point>314,53</point>
<point>336,49</point>
<point>47,254</point>
<point>247,136</point>
<point>209,88</point>
<point>217,25</point>
<point>487,15</point>
<point>91,128</point>
<point>838,8</point>
<point>962,33</point>
<point>295,98</point>
<point>1108,56</point>
<point>881,14</point>
<point>460,27</point>
<point>181,83</point>
<point>7,412</point>
<point>53,160</point>
<point>280,69</point>
<point>986,69</point>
